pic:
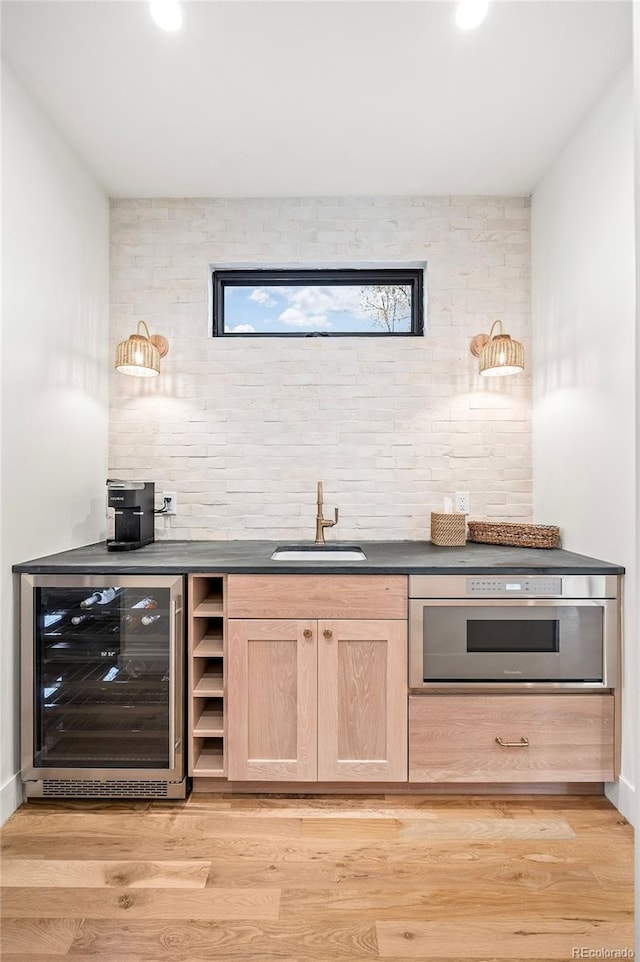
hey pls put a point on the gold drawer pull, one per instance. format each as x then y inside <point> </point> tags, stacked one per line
<point>327,633</point>
<point>523,743</point>
<point>307,632</point>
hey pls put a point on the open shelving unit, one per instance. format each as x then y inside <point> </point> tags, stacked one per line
<point>206,676</point>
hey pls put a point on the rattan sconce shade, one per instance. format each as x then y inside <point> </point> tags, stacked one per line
<point>502,355</point>
<point>498,354</point>
<point>138,356</point>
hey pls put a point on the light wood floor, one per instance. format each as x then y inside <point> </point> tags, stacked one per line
<point>248,879</point>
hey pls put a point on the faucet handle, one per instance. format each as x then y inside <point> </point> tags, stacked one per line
<point>329,524</point>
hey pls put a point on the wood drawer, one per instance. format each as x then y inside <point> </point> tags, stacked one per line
<point>452,738</point>
<point>317,596</point>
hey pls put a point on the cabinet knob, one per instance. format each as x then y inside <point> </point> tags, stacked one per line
<point>307,632</point>
<point>327,633</point>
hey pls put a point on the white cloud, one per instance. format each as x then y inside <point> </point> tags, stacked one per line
<point>298,318</point>
<point>261,296</point>
<point>326,299</point>
<point>243,329</point>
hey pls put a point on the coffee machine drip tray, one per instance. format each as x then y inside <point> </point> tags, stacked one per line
<point>127,545</point>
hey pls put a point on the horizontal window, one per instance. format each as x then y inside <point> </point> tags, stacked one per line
<point>312,303</point>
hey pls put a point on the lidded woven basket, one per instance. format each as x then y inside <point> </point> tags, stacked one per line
<point>448,530</point>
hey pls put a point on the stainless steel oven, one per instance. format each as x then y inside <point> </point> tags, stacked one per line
<point>510,632</point>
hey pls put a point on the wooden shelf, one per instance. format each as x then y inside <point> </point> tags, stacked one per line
<point>210,685</point>
<point>210,724</point>
<point>210,761</point>
<point>211,646</point>
<point>210,607</point>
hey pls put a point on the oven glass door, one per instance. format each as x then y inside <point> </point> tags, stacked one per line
<point>507,642</point>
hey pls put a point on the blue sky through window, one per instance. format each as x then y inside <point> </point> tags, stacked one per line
<point>339,309</point>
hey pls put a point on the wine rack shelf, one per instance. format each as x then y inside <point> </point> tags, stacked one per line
<point>210,646</point>
<point>211,684</point>
<point>210,720</point>
<point>210,757</point>
<point>207,726</point>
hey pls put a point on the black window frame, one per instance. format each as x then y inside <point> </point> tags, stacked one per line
<point>329,277</point>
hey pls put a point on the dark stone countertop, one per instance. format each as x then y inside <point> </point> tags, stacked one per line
<point>253,557</point>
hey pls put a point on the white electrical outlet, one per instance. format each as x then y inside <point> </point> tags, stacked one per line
<point>462,502</point>
<point>170,502</point>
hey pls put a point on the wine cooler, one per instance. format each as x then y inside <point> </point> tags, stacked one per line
<point>102,686</point>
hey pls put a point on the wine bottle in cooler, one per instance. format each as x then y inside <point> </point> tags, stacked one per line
<point>134,615</point>
<point>149,619</point>
<point>101,596</point>
<point>84,620</point>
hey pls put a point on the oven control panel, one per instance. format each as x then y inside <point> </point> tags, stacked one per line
<point>513,587</point>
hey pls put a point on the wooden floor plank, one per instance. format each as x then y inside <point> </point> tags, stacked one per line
<point>91,903</point>
<point>348,829</point>
<point>484,828</point>
<point>258,942</point>
<point>151,825</point>
<point>37,937</point>
<point>515,939</point>
<point>451,804</point>
<point>523,868</point>
<point>37,873</point>
<point>432,807</point>
<point>48,957</point>
<point>429,902</point>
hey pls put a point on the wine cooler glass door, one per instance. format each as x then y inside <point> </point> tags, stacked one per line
<point>103,680</point>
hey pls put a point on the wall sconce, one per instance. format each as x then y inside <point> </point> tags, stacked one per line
<point>498,354</point>
<point>140,354</point>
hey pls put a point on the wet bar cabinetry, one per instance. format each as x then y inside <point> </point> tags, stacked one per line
<point>289,680</point>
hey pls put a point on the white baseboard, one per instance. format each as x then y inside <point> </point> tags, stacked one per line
<point>623,796</point>
<point>10,797</point>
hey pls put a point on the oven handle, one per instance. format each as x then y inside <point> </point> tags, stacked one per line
<point>523,743</point>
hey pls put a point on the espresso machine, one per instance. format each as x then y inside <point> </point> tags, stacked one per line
<point>133,505</point>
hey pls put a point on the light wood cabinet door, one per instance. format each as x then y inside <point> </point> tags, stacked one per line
<point>362,701</point>
<point>272,700</point>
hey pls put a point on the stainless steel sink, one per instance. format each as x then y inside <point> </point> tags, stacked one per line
<point>318,552</point>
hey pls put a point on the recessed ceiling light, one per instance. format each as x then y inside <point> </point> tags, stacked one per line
<point>167,14</point>
<point>471,13</point>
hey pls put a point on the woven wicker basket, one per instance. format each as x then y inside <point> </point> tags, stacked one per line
<point>513,533</point>
<point>448,530</point>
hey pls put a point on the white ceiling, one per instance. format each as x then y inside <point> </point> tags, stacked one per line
<point>309,98</point>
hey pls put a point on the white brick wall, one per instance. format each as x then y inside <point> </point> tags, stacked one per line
<point>243,429</point>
